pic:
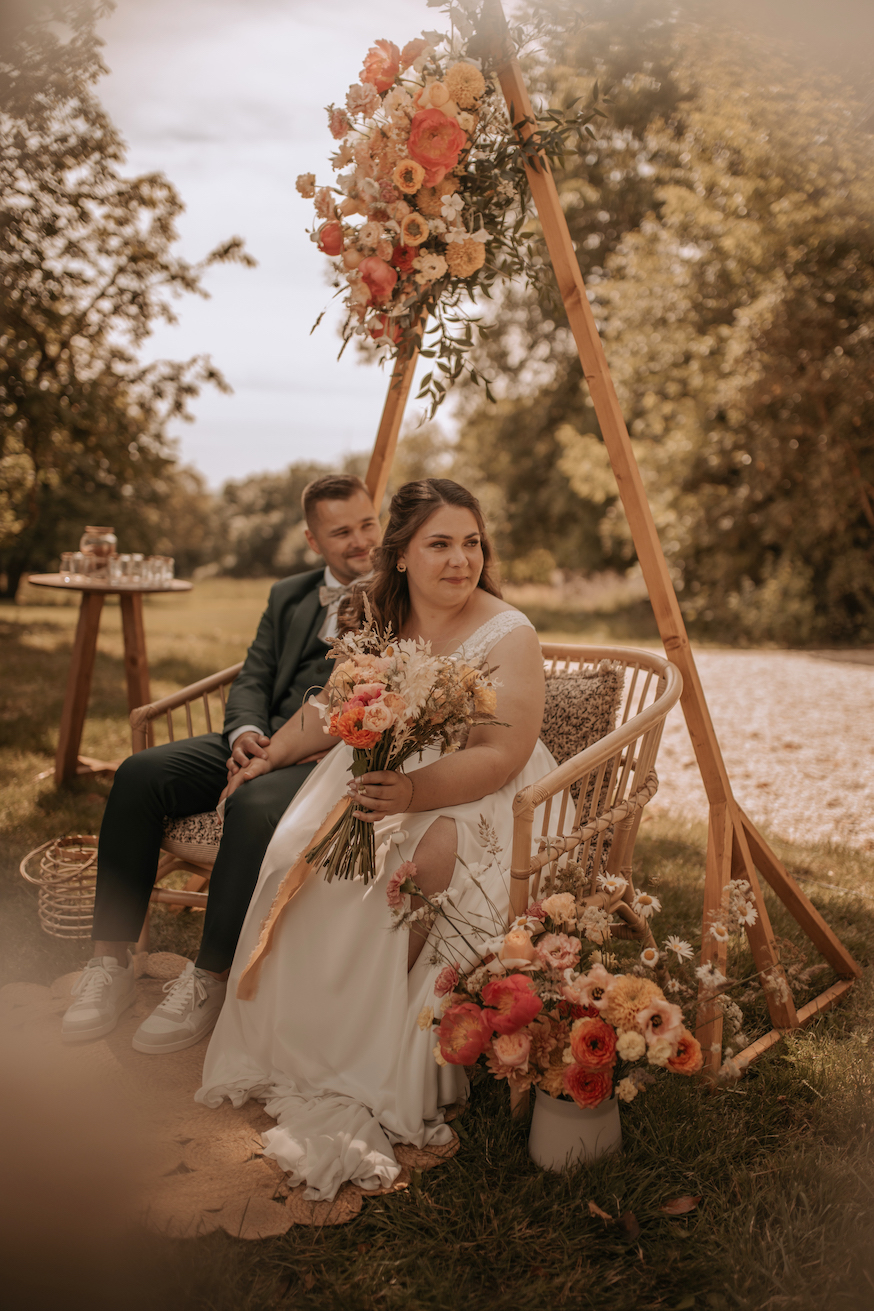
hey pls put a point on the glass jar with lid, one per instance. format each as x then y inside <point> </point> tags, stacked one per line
<point>100,544</point>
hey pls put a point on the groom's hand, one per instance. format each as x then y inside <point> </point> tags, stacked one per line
<point>384,792</point>
<point>248,746</point>
<point>254,769</point>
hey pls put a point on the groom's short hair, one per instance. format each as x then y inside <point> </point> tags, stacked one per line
<point>331,487</point>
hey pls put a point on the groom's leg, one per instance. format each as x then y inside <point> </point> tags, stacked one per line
<point>251,816</point>
<point>177,779</point>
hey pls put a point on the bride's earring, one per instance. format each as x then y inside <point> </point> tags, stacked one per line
<point>402,568</point>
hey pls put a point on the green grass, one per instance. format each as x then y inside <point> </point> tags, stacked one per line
<point>782,1161</point>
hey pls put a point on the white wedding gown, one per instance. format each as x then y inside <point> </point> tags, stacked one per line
<point>331,1043</point>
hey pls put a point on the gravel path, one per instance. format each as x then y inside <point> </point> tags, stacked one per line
<point>797,734</point>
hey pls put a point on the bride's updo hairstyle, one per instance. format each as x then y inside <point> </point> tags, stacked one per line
<point>411,507</point>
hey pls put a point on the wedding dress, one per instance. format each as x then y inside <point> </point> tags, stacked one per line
<point>331,1042</point>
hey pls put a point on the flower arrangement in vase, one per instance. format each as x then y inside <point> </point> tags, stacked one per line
<point>564,1000</point>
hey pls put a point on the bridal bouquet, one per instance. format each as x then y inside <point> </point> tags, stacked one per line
<point>390,699</point>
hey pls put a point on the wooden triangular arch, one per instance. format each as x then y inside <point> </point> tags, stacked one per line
<point>734,847</point>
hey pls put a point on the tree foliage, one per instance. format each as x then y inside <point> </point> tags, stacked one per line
<point>724,232</point>
<point>86,269</point>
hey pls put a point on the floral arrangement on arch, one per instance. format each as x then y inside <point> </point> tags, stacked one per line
<point>429,200</point>
<point>545,1004</point>
<point>389,699</point>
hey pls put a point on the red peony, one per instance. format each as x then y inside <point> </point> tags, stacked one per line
<point>331,238</point>
<point>464,1034</point>
<point>381,65</point>
<point>435,142</point>
<point>378,277</point>
<point>402,258</point>
<point>593,1044</point>
<point>587,1087</point>
<point>687,1059</point>
<point>513,1001</point>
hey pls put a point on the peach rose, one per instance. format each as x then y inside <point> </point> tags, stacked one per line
<point>435,142</point>
<point>379,277</point>
<point>347,725</point>
<point>687,1059</point>
<point>512,1049</point>
<point>330,238</point>
<point>395,703</point>
<point>587,1087</point>
<point>352,258</point>
<point>377,717</point>
<point>381,65</point>
<point>517,946</point>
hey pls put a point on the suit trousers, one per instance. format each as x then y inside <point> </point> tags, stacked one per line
<point>178,779</point>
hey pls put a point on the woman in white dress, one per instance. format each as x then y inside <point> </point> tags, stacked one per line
<point>330,1043</point>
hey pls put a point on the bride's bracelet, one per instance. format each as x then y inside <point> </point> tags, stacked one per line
<point>412,793</point>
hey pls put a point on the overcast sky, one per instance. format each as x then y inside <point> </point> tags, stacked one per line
<point>226,97</point>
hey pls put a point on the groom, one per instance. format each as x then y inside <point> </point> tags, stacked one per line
<point>286,659</point>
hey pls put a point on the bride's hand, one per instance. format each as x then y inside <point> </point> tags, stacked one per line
<point>384,792</point>
<point>255,767</point>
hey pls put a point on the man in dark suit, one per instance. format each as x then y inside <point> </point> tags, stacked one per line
<point>286,659</point>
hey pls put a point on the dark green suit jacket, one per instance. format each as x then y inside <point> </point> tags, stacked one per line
<point>282,657</point>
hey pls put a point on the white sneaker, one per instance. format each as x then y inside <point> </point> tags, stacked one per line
<point>103,992</point>
<point>188,1014</point>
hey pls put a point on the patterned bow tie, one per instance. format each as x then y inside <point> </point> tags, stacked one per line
<point>329,595</point>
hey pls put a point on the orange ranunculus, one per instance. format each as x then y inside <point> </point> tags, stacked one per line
<point>587,1087</point>
<point>464,1034</point>
<point>347,725</point>
<point>435,142</point>
<point>593,1044</point>
<point>381,65</point>
<point>379,277</point>
<point>411,51</point>
<point>513,1003</point>
<point>687,1059</point>
<point>331,238</point>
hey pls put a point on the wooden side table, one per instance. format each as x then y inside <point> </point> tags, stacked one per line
<point>68,762</point>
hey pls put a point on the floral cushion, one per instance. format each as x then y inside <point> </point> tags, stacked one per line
<point>196,837</point>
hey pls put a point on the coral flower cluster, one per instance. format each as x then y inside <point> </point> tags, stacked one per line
<point>412,207</point>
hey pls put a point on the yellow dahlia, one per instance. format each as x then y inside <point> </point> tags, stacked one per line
<point>465,85</point>
<point>628,995</point>
<point>465,257</point>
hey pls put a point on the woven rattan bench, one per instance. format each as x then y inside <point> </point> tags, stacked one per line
<point>605,710</point>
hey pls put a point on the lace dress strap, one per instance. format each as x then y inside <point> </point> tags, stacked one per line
<point>480,642</point>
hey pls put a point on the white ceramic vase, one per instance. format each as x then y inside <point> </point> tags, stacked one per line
<point>563,1133</point>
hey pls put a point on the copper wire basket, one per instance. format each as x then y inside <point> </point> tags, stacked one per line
<point>65,871</point>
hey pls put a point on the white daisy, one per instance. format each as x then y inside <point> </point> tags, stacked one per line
<point>650,957</point>
<point>681,949</point>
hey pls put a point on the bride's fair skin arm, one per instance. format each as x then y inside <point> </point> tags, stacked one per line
<point>493,756</point>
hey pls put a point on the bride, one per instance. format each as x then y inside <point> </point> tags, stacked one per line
<point>330,1043</point>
